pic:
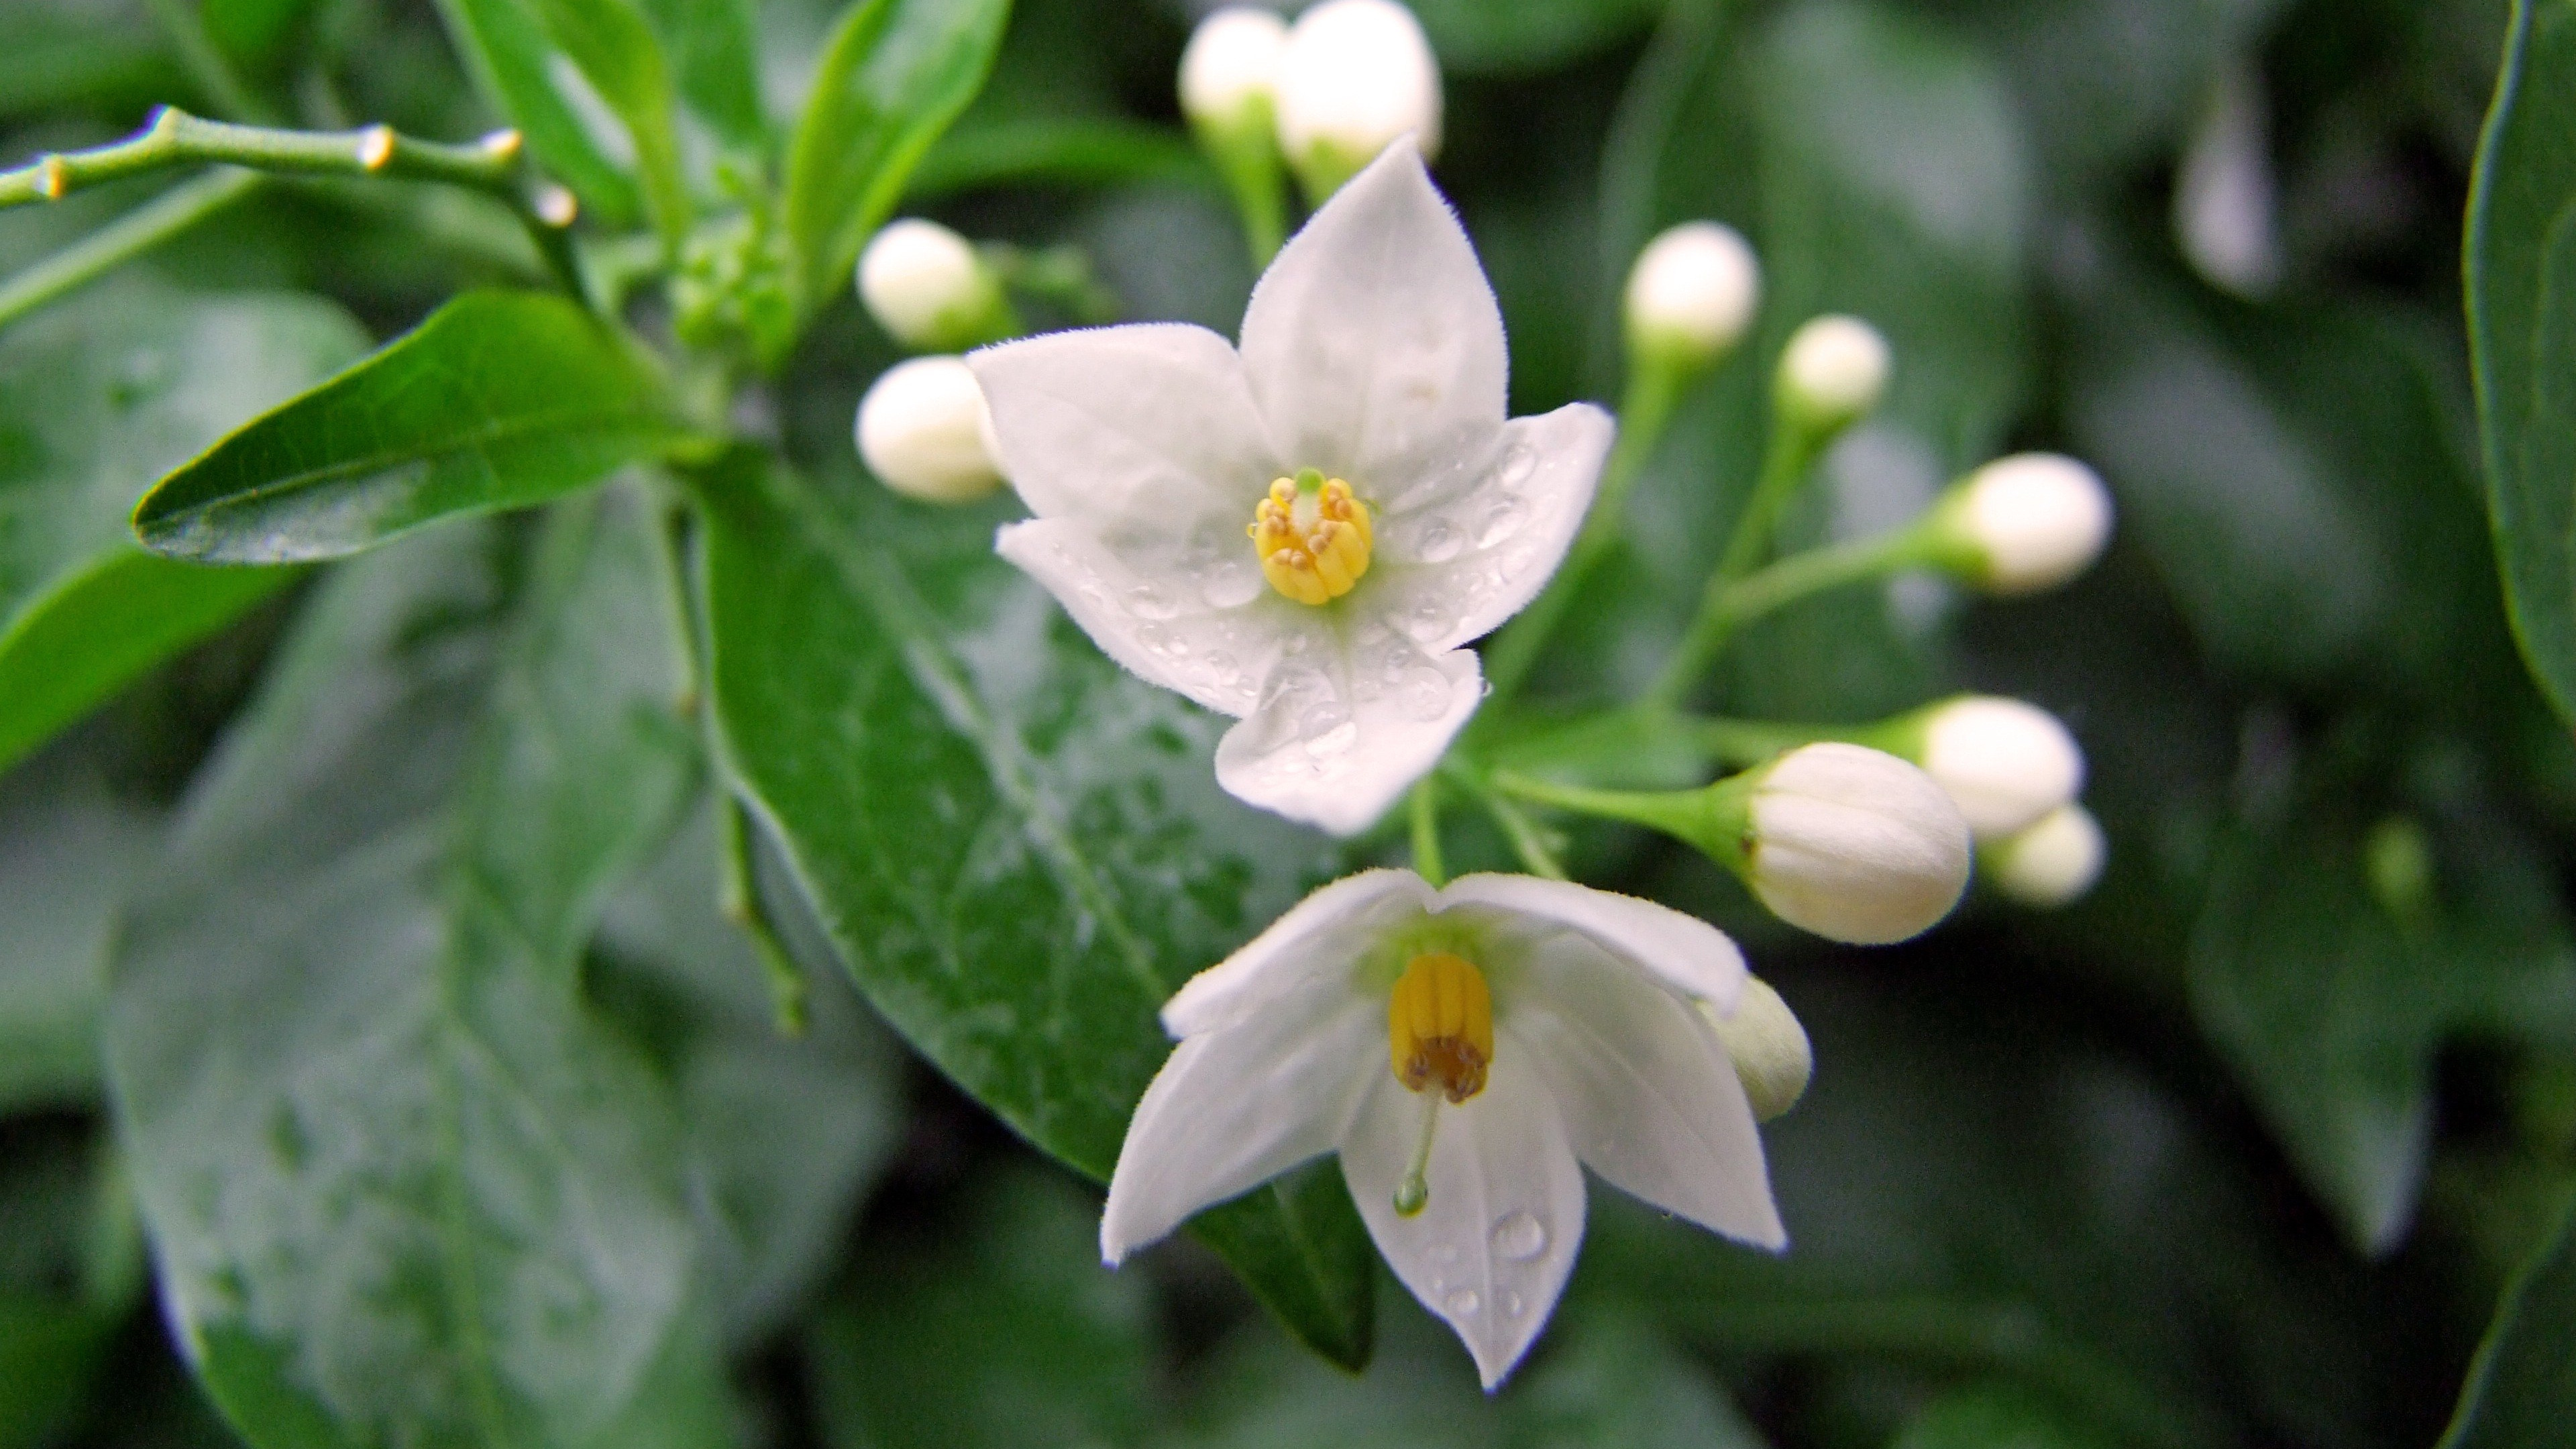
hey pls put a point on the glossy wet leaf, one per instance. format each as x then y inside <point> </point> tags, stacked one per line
<point>714,63</point>
<point>519,68</point>
<point>2522,325</point>
<point>499,400</point>
<point>347,1009</point>
<point>895,73</point>
<point>2521,1392</point>
<point>98,397</point>
<point>612,47</point>
<point>1018,849</point>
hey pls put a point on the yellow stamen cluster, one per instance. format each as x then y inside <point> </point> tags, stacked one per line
<point>1440,1026</point>
<point>1313,537</point>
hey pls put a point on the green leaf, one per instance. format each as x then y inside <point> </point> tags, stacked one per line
<point>499,400</point>
<point>1995,1416</point>
<point>715,60</point>
<point>1519,36</point>
<point>506,48</point>
<point>1006,1332</point>
<point>608,42</point>
<point>896,73</point>
<point>98,397</point>
<point>1083,152</point>
<point>2522,335</point>
<point>343,1029</point>
<point>1018,849</point>
<point>56,53</point>
<point>2521,1390</point>
<point>68,848</point>
<point>49,1352</point>
<point>2330,1001</point>
<point>249,30</point>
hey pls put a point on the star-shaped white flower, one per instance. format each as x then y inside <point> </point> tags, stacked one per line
<point>1468,1051</point>
<point>1304,533</point>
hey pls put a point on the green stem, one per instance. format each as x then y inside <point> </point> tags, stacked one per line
<point>1426,833</point>
<point>739,899</point>
<point>493,166</point>
<point>206,65</point>
<point>122,240</point>
<point>1741,742</point>
<point>1711,818</point>
<point>1653,390</point>
<point>1785,461</point>
<point>1731,602</point>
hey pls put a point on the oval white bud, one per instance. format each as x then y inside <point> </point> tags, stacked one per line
<point>2031,521</point>
<point>926,287</point>
<point>1854,844</point>
<point>2005,763</point>
<point>2052,862</point>
<point>1766,1046</point>
<point>924,430</point>
<point>1692,292</point>
<point>1230,68</point>
<point>1833,371</point>
<point>1356,75</point>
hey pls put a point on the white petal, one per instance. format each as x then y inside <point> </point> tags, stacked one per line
<point>1646,1092</point>
<point>1374,343</point>
<point>1491,1249</point>
<point>1149,426</point>
<point>1327,931</point>
<point>1458,566</point>
<point>1334,741</point>
<point>1159,622</point>
<point>1685,953</point>
<point>1232,1109</point>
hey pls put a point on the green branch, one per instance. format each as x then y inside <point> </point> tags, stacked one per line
<point>493,166</point>
<point>1731,602</point>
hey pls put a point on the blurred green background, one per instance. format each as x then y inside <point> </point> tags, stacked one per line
<point>2239,1151</point>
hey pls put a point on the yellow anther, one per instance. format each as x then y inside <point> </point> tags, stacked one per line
<point>1440,1026</point>
<point>1313,537</point>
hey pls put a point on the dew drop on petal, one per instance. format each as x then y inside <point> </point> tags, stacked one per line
<point>1519,1237</point>
<point>1501,521</point>
<point>1229,584</point>
<point>1444,1253</point>
<point>1440,542</point>
<point>1518,463</point>
<point>1462,1303</point>
<point>1333,741</point>
<point>1424,693</point>
<point>1147,601</point>
<point>1512,1305</point>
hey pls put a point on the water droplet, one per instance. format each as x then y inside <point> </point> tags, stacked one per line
<point>1512,1305</point>
<point>1518,463</point>
<point>1229,584</point>
<point>1429,617</point>
<point>1333,741</point>
<point>1444,1253</point>
<point>1156,638</point>
<point>1462,1303</point>
<point>1424,694</point>
<point>1501,521</point>
<point>1148,602</point>
<point>1519,1237</point>
<point>1440,542</point>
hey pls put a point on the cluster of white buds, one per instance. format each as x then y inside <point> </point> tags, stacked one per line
<point>1329,93</point>
<point>1691,295</point>
<point>1832,374</point>
<point>2024,523</point>
<point>2049,863</point>
<point>2006,763</point>
<point>925,432</point>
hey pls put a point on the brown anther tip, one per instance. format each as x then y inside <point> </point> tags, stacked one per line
<point>502,145</point>
<point>53,178</point>
<point>376,147</point>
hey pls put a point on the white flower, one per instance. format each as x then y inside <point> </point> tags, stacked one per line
<point>927,288</point>
<point>1357,75</point>
<point>1833,371</point>
<point>2028,522</point>
<point>2051,863</point>
<point>1692,292</point>
<point>922,430</point>
<point>1230,66</point>
<point>1302,534</point>
<point>1468,1052</point>
<point>2004,762</point>
<point>1853,844</point>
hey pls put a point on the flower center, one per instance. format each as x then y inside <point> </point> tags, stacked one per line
<point>1440,1036</point>
<point>1312,537</point>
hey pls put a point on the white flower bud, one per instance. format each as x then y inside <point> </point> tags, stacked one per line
<point>1692,293</point>
<point>1854,844</point>
<point>1231,67</point>
<point>1356,75</point>
<point>2028,522</point>
<point>2051,863</point>
<point>927,288</point>
<point>1833,372</point>
<point>1767,1047</point>
<point>925,432</point>
<point>2005,763</point>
